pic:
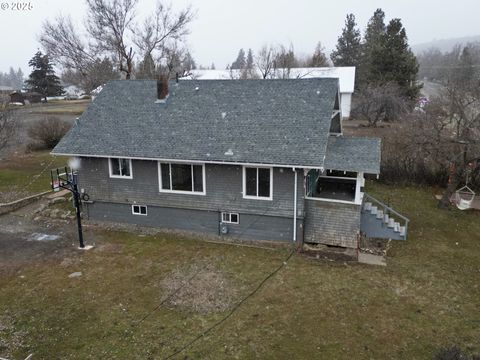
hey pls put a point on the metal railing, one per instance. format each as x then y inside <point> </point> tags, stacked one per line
<point>387,210</point>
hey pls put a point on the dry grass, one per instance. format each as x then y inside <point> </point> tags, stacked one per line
<point>199,287</point>
<point>427,297</point>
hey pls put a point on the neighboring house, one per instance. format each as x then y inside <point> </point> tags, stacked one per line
<point>31,97</point>
<point>248,159</point>
<point>17,97</point>
<point>345,74</point>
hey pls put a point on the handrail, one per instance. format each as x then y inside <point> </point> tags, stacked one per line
<point>407,220</point>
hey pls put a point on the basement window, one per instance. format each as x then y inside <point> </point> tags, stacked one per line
<point>182,178</point>
<point>120,168</point>
<point>139,210</point>
<point>257,183</point>
<point>230,218</point>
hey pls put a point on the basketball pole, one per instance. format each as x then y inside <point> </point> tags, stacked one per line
<point>69,183</point>
<point>76,200</point>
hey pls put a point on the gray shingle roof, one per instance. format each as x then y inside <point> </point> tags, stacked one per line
<point>353,154</point>
<point>281,122</point>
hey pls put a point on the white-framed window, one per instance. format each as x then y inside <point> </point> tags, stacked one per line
<point>258,183</point>
<point>139,210</point>
<point>120,168</point>
<point>230,218</point>
<point>182,178</point>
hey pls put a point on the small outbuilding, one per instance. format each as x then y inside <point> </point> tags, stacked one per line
<point>17,97</point>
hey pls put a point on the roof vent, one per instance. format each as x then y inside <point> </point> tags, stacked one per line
<point>224,114</point>
<point>197,88</point>
<point>229,152</point>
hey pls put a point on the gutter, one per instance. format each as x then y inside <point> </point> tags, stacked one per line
<point>295,207</point>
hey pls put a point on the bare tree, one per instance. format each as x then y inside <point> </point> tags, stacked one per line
<point>110,24</point>
<point>265,61</point>
<point>382,103</point>
<point>62,42</point>
<point>163,28</point>
<point>284,61</point>
<point>7,125</point>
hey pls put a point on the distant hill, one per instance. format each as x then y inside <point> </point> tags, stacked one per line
<point>445,44</point>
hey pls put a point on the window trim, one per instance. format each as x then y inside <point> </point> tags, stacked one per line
<point>230,217</point>
<point>160,189</point>
<point>244,183</point>
<point>120,176</point>
<point>140,213</point>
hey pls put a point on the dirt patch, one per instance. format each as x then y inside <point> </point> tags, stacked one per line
<point>202,288</point>
<point>10,338</point>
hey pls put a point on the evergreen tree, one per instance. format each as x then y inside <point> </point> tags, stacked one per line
<point>189,62</point>
<point>393,61</point>
<point>240,62</point>
<point>366,73</point>
<point>212,67</point>
<point>318,59</point>
<point>42,79</point>
<point>348,50</point>
<point>146,68</point>
<point>249,63</point>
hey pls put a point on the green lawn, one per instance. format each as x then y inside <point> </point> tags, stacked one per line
<point>27,174</point>
<point>426,298</point>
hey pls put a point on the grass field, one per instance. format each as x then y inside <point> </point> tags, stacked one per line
<point>426,298</point>
<point>27,174</point>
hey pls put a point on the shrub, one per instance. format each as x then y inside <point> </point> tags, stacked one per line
<point>47,132</point>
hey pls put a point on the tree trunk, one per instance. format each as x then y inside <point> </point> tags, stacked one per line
<point>444,202</point>
<point>453,181</point>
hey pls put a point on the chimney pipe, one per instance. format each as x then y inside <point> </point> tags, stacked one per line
<point>162,87</point>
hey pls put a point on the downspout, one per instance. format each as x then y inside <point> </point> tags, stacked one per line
<point>295,207</point>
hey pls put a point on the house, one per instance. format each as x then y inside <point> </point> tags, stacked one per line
<point>247,159</point>
<point>345,75</point>
<point>17,97</point>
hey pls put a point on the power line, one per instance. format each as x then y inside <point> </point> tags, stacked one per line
<point>234,309</point>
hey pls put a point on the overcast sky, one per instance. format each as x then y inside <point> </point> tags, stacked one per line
<point>222,27</point>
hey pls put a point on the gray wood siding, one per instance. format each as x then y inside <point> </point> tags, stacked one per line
<point>331,223</point>
<point>223,189</point>
<point>251,227</point>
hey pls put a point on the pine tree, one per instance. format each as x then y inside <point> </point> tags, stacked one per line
<point>348,50</point>
<point>366,73</point>
<point>392,60</point>
<point>249,63</point>
<point>240,62</point>
<point>146,68</point>
<point>42,79</point>
<point>188,62</point>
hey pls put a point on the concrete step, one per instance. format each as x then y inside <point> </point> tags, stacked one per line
<point>391,223</point>
<point>402,230</point>
<point>367,206</point>
<point>379,214</point>
<point>374,210</point>
<point>386,218</point>
<point>396,227</point>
